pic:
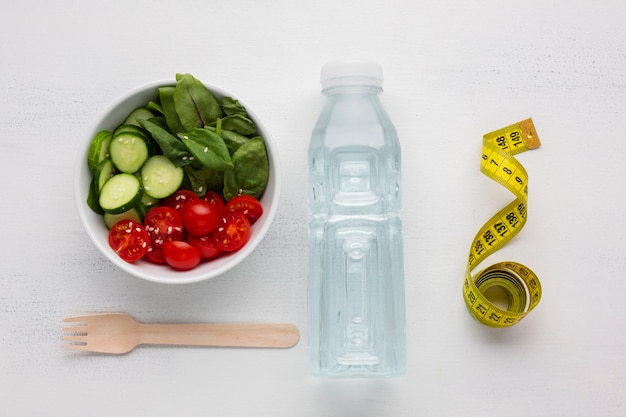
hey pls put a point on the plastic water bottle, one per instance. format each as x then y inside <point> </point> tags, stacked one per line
<point>356,273</point>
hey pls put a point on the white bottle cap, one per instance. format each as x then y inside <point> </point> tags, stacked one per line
<point>351,72</point>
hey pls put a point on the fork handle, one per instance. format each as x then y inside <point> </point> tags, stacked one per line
<point>231,335</point>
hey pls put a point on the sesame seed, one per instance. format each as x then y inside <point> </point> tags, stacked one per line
<point>206,149</point>
<point>169,230</point>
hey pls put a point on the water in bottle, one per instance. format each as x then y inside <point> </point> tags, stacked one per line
<point>356,274</point>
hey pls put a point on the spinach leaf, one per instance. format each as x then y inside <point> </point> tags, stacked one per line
<point>166,97</point>
<point>233,140</point>
<point>154,107</point>
<point>238,123</point>
<point>195,104</point>
<point>203,179</point>
<point>208,148</point>
<point>170,145</point>
<point>232,106</point>
<point>250,172</point>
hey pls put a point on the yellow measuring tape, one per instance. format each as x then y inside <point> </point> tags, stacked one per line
<point>519,283</point>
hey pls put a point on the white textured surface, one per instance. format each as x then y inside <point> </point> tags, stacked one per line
<point>454,70</point>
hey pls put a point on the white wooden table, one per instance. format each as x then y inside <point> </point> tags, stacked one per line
<point>454,70</point>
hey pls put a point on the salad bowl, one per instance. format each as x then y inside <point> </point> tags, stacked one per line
<point>114,115</point>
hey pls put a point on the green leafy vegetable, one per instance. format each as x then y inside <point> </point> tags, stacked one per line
<point>233,140</point>
<point>195,104</point>
<point>250,172</point>
<point>232,106</point>
<point>214,141</point>
<point>170,145</point>
<point>208,148</point>
<point>166,98</point>
<point>238,123</point>
<point>154,107</point>
<point>203,179</point>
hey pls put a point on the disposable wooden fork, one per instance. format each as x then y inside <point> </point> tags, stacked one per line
<point>119,333</point>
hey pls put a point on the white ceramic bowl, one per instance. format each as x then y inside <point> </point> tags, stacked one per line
<point>94,224</point>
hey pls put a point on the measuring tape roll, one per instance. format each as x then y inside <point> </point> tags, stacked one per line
<point>519,283</point>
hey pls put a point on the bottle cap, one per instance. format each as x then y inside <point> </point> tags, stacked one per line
<point>351,72</point>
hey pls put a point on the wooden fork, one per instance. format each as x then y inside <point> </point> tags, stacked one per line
<point>119,333</point>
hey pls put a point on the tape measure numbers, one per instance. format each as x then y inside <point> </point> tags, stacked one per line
<point>520,285</point>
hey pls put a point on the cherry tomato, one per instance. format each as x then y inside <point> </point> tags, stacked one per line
<point>200,217</point>
<point>233,231</point>
<point>129,240</point>
<point>179,199</point>
<point>205,245</point>
<point>247,205</point>
<point>180,255</point>
<point>215,199</point>
<point>163,223</point>
<point>155,255</point>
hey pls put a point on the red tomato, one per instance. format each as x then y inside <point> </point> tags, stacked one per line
<point>129,240</point>
<point>205,245</point>
<point>215,199</point>
<point>179,199</point>
<point>233,231</point>
<point>163,223</point>
<point>200,217</point>
<point>180,255</point>
<point>155,255</point>
<point>247,205</point>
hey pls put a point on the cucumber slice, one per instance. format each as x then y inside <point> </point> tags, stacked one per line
<point>92,199</point>
<point>160,177</point>
<point>104,171</point>
<point>136,213</point>
<point>98,149</point>
<point>129,151</point>
<point>120,193</point>
<point>149,202</point>
<point>138,114</point>
<point>129,128</point>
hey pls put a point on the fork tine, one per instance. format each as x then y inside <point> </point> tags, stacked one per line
<point>75,329</point>
<point>76,319</point>
<point>74,347</point>
<point>75,338</point>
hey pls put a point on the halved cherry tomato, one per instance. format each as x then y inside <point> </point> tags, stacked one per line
<point>155,255</point>
<point>233,231</point>
<point>247,205</point>
<point>205,245</point>
<point>163,223</point>
<point>180,255</point>
<point>200,217</point>
<point>215,199</point>
<point>179,199</point>
<point>129,240</point>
